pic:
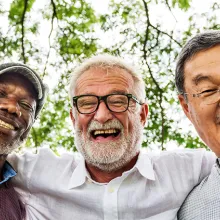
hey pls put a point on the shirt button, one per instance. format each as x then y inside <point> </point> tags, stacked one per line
<point>111,190</point>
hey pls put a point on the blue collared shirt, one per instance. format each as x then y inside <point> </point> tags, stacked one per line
<point>8,172</point>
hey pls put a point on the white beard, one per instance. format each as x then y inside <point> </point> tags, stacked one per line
<point>112,155</point>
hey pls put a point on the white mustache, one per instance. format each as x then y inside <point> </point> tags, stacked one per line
<point>94,125</point>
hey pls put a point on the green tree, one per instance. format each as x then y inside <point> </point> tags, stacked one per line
<point>53,37</point>
<point>156,47</point>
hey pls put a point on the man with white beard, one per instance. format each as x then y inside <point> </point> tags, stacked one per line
<point>114,179</point>
<point>21,99</point>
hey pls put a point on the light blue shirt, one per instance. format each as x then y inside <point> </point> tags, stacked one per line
<point>8,172</point>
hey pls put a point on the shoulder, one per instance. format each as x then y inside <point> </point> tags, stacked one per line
<point>43,168</point>
<point>182,155</point>
<point>43,157</point>
<point>204,199</point>
<point>194,163</point>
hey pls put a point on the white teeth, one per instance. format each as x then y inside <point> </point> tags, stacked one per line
<point>109,131</point>
<point>6,125</point>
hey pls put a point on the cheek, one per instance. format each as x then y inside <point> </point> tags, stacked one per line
<point>82,122</point>
<point>127,121</point>
<point>28,119</point>
<point>202,116</point>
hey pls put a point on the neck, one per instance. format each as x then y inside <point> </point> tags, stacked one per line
<point>102,176</point>
<point>2,162</point>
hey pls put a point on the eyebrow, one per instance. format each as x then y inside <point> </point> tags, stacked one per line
<point>200,78</point>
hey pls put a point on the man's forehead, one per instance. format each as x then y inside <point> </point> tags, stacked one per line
<point>101,74</point>
<point>96,78</point>
<point>204,57</point>
<point>203,66</point>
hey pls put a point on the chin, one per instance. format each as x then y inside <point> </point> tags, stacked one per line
<point>8,147</point>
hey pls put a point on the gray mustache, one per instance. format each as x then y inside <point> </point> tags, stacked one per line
<point>94,125</point>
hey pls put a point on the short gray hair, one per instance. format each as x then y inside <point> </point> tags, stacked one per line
<point>200,42</point>
<point>106,61</point>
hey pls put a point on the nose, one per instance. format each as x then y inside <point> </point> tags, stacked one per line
<point>11,106</point>
<point>103,114</point>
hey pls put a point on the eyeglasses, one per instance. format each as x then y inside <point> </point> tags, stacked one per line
<point>87,104</point>
<point>208,97</point>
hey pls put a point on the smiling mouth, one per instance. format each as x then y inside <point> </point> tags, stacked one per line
<point>105,133</point>
<point>6,125</point>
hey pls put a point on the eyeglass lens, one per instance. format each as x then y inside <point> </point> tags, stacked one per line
<point>89,104</point>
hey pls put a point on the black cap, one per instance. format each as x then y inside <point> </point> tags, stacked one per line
<point>30,75</point>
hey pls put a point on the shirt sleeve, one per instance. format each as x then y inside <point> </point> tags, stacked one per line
<point>24,165</point>
<point>37,170</point>
<point>208,160</point>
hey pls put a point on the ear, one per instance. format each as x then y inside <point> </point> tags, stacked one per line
<point>72,117</point>
<point>144,113</point>
<point>184,105</point>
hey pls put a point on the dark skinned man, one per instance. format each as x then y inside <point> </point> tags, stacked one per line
<point>22,95</point>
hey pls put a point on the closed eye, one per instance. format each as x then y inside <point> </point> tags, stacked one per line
<point>208,92</point>
<point>26,106</point>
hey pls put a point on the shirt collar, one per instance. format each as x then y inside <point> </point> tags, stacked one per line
<point>8,172</point>
<point>79,175</point>
<point>143,165</point>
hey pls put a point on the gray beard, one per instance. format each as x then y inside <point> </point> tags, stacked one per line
<point>112,155</point>
<point>8,147</point>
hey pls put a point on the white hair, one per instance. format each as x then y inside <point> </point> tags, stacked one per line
<point>106,61</point>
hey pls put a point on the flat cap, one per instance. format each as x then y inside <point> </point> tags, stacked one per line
<point>30,75</point>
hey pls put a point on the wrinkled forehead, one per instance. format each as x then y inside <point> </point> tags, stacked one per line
<point>108,76</point>
<point>105,70</point>
<point>19,80</point>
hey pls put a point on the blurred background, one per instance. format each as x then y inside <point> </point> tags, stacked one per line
<point>53,36</point>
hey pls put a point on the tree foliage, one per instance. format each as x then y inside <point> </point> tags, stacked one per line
<point>53,37</point>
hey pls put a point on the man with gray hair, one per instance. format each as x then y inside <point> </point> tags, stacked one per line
<point>22,96</point>
<point>198,81</point>
<point>114,179</point>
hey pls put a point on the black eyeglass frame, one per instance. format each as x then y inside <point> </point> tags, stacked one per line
<point>104,99</point>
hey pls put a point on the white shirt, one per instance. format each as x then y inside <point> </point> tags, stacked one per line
<point>60,188</point>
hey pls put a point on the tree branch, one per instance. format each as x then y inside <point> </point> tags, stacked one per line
<point>167,4</point>
<point>23,31</point>
<point>147,30</point>
<point>151,74</point>
<point>160,103</point>
<point>54,15</point>
<point>149,24</point>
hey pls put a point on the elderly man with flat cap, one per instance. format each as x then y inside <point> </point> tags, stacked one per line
<point>22,96</point>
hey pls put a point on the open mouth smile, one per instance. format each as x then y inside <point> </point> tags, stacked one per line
<point>108,133</point>
<point>6,125</point>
